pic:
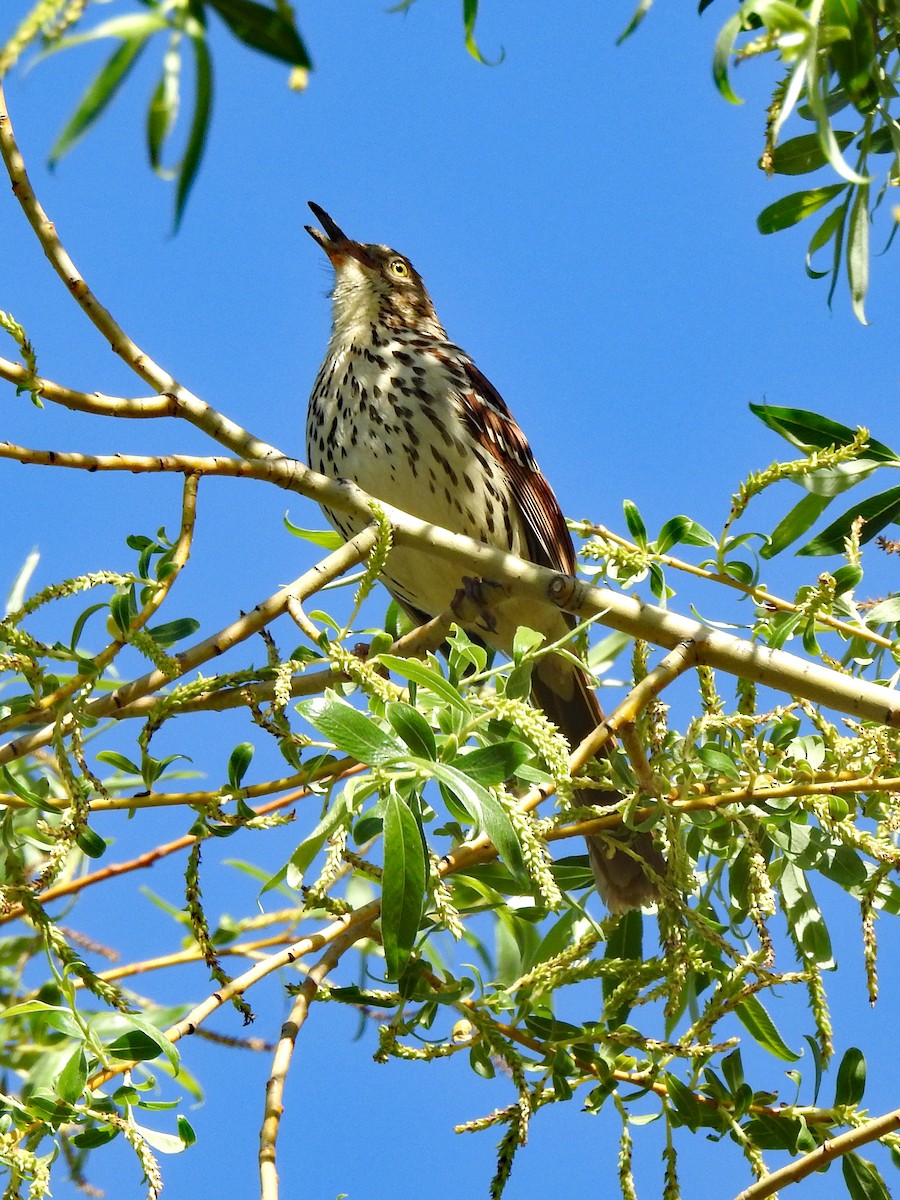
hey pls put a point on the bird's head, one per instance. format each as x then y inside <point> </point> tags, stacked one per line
<point>373,285</point>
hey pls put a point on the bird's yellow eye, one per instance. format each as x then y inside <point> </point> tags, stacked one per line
<point>399,268</point>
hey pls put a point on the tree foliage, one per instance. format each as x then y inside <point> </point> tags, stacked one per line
<point>425,790</point>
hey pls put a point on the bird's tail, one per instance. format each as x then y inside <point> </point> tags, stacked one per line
<point>619,875</point>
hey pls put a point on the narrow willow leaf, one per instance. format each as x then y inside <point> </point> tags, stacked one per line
<point>238,762</point>
<point>817,1064</point>
<point>810,431</point>
<point>142,1043</point>
<point>718,761</point>
<point>863,1179</point>
<point>491,765</point>
<point>350,730</point>
<point>722,56</point>
<point>805,917</point>
<point>470,16</point>
<point>635,522</point>
<point>426,676</point>
<point>803,154</point>
<point>35,796</point>
<point>851,1079</point>
<point>72,1078</point>
<point>626,942</point>
<point>643,7</point>
<point>486,812</point>
<point>163,109</point>
<point>683,1100</point>
<point>412,727</point>
<point>300,860</point>
<point>101,90</point>
<point>328,539</point>
<point>793,208</point>
<point>762,1028</point>
<point>878,511</point>
<point>887,612</point>
<point>196,143</point>
<point>265,29</point>
<point>91,843</point>
<point>858,251</point>
<point>831,227</point>
<point>113,759</point>
<point>797,522</point>
<point>174,631</point>
<point>403,890</point>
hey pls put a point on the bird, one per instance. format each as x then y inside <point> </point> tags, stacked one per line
<point>403,412</point>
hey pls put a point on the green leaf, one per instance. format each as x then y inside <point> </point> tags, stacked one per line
<point>328,539</point>
<point>350,730</point>
<point>722,54</point>
<point>470,16</point>
<point>797,521</point>
<point>491,765</point>
<point>196,142</point>
<point>858,251</point>
<point>683,1100</point>
<point>403,890</point>
<point>72,1078</point>
<point>91,843</point>
<point>793,208</point>
<point>412,727</point>
<point>884,613</point>
<point>101,90</point>
<point>803,154</point>
<point>863,1180</point>
<point>238,762</point>
<point>718,761</point>
<point>425,675</point>
<point>851,1079</point>
<point>265,29</point>
<point>810,431</point>
<point>142,1043</point>
<point>113,759</point>
<point>525,640</point>
<point>762,1028</point>
<point>298,864</point>
<point>162,112</point>
<point>174,631</point>
<point>36,796</point>
<point>878,511</point>
<point>805,918</point>
<point>817,1064</point>
<point>486,812</point>
<point>635,522</point>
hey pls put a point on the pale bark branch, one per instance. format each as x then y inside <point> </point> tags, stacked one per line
<point>834,1148</point>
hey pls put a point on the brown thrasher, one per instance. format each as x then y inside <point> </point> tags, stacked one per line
<point>406,414</point>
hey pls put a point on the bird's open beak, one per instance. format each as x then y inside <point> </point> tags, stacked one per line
<point>333,241</point>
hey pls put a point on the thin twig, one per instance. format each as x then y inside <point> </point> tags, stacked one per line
<point>274,1106</point>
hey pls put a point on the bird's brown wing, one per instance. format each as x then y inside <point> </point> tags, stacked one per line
<point>560,689</point>
<point>492,425</point>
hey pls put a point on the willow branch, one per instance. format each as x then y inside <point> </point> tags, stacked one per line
<point>758,593</point>
<point>179,557</point>
<point>182,400</point>
<point>268,1134</point>
<point>311,581</point>
<point>834,1148</point>
<point>772,668</point>
<point>95,402</point>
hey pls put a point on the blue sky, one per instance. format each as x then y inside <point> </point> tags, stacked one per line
<point>584,218</point>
